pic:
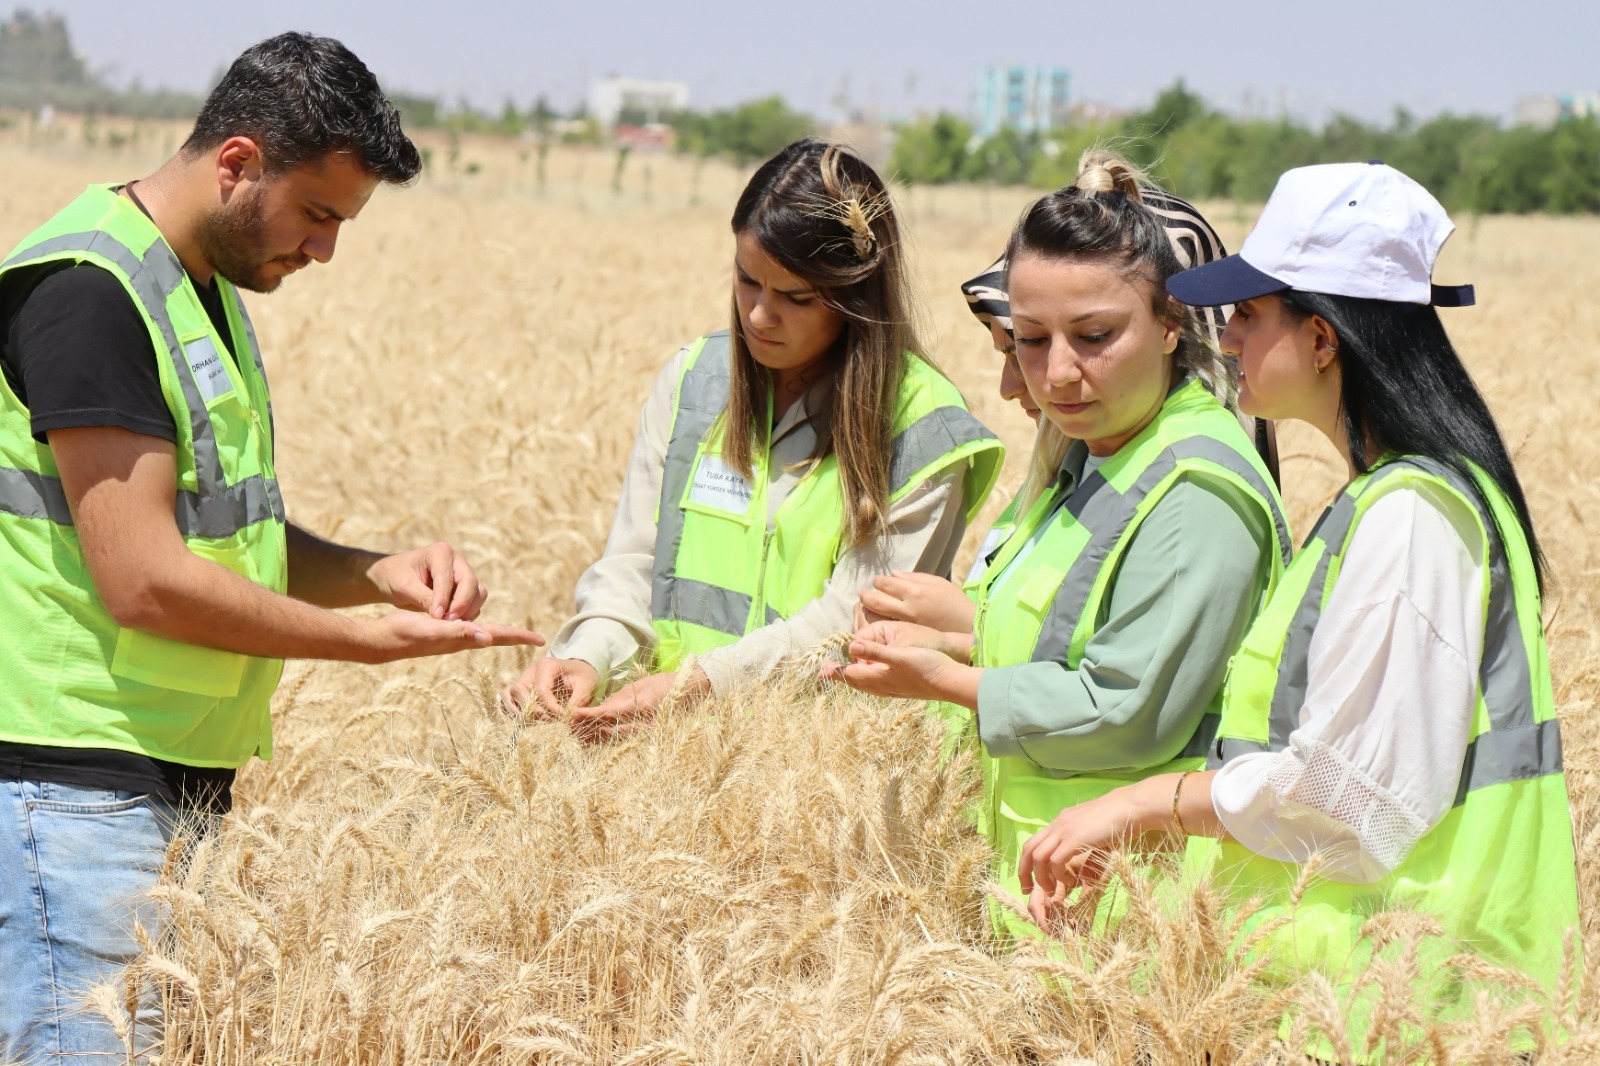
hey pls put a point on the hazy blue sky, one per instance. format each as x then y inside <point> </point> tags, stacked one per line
<point>1360,56</point>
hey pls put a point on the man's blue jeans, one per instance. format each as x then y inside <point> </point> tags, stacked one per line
<point>74,866</point>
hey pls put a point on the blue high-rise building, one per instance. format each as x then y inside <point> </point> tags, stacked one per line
<point>1026,99</point>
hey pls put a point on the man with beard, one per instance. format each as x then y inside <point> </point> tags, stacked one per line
<point>152,583</point>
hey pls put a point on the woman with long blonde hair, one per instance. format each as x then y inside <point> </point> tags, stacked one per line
<point>1148,529</point>
<point>779,464</point>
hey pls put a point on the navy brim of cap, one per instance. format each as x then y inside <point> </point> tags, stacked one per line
<point>1226,281</point>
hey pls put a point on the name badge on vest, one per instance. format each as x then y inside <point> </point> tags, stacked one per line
<point>720,487</point>
<point>206,364</point>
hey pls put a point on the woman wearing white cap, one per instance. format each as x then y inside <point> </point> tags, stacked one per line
<point>1148,529</point>
<point>1390,711</point>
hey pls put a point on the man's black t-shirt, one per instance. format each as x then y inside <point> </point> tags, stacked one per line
<point>76,351</point>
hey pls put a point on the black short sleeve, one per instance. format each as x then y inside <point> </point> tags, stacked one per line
<point>78,353</point>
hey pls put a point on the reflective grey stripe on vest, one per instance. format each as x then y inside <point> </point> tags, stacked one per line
<point>28,494</point>
<point>1199,745</point>
<point>1106,514</point>
<point>702,395</point>
<point>934,435</point>
<point>217,509</point>
<point>1515,746</point>
<point>709,606</point>
<point>261,368</point>
<point>1517,753</point>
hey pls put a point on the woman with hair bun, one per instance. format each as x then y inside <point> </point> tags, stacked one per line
<point>1148,529</point>
<point>1390,712</point>
<point>779,465</point>
<point>930,600</point>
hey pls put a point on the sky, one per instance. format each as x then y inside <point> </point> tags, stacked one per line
<point>1361,57</point>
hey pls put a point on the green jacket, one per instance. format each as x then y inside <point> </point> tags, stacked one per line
<point>1046,605</point>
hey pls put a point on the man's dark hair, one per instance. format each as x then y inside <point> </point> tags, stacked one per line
<point>300,97</point>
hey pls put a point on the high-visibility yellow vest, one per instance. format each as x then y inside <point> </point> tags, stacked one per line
<point>960,729</point>
<point>71,676</point>
<point>1049,605</point>
<point>721,568</point>
<point>1498,872</point>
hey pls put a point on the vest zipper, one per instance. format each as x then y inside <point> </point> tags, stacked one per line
<point>758,595</point>
<point>977,628</point>
<point>758,603</point>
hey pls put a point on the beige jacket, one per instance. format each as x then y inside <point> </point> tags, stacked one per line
<point>612,623</point>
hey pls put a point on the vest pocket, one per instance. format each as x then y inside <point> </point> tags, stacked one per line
<point>1247,693</point>
<point>1040,588</point>
<point>810,569</point>
<point>161,663</point>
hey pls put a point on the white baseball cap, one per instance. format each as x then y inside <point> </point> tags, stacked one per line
<point>1340,229</point>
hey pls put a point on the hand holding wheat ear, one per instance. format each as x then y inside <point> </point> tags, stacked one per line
<point>548,687</point>
<point>634,704</point>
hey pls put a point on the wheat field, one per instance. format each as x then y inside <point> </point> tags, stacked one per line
<point>789,876</point>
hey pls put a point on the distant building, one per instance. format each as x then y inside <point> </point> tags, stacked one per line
<point>1547,109</point>
<point>634,102</point>
<point>1026,99</point>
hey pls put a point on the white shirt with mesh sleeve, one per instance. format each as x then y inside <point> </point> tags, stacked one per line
<point>1391,691</point>
<point>613,620</point>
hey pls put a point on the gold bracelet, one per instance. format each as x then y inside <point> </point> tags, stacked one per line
<point>1177,791</point>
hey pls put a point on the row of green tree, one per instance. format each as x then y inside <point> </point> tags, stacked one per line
<point>1470,163</point>
<point>38,68</point>
<point>742,134</point>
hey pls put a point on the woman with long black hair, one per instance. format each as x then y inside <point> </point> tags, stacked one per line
<point>1390,712</point>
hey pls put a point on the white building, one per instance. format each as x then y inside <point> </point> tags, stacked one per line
<point>1546,109</point>
<point>610,97</point>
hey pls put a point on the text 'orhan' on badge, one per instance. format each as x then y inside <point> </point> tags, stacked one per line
<point>206,364</point>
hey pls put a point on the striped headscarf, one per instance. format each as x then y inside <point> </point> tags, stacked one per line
<point>1192,238</point>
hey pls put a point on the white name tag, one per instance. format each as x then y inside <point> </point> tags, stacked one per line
<point>720,486</point>
<point>991,542</point>
<point>209,372</point>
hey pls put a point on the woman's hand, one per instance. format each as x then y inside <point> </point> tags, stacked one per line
<point>633,705</point>
<point>1071,851</point>
<point>921,599</point>
<point>904,661</point>
<point>553,685</point>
